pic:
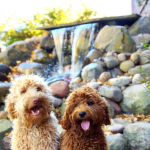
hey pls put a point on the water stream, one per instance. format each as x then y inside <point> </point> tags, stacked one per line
<point>58,35</point>
<point>81,41</point>
<point>81,45</point>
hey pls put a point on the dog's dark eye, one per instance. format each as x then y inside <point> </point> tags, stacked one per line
<point>23,91</point>
<point>39,89</point>
<point>90,103</point>
<point>76,105</point>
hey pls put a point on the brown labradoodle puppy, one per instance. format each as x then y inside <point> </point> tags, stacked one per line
<point>85,114</point>
<point>29,106</point>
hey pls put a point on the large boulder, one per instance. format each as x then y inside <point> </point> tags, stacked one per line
<point>136,99</point>
<point>111,92</point>
<point>41,56</point>
<point>141,38</point>
<point>5,127</point>
<point>144,68</point>
<point>121,81</point>
<point>18,51</point>
<point>117,142</point>
<point>30,68</point>
<point>91,71</point>
<point>145,57</point>
<point>47,43</point>
<point>138,135</point>
<point>140,26</point>
<point>114,38</point>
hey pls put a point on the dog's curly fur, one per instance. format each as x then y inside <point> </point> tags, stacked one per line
<point>84,99</point>
<point>29,107</point>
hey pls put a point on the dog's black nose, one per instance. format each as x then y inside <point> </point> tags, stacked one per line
<point>82,114</point>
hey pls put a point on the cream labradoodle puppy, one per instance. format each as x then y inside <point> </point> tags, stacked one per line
<point>29,106</point>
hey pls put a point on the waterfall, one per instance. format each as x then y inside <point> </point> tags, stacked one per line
<point>58,35</point>
<point>81,43</point>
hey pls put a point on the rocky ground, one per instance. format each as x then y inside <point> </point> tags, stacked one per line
<point>117,65</point>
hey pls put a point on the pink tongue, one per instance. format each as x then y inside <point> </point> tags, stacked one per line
<point>36,113</point>
<point>85,125</point>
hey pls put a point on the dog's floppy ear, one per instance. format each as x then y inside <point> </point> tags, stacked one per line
<point>65,122</point>
<point>10,108</point>
<point>106,120</point>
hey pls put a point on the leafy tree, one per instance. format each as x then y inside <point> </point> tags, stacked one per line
<point>50,17</point>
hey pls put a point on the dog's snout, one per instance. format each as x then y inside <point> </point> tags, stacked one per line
<point>35,100</point>
<point>82,114</point>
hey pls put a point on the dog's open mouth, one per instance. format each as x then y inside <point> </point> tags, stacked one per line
<point>85,124</point>
<point>36,110</point>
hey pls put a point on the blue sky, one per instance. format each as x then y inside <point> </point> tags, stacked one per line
<point>26,9</point>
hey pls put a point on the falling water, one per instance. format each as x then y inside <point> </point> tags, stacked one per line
<point>58,36</point>
<point>83,35</point>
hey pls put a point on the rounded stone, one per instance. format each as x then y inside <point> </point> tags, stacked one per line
<point>111,61</point>
<point>137,79</point>
<point>91,71</point>
<point>135,58</point>
<point>121,57</point>
<point>117,128</point>
<point>126,65</point>
<point>117,142</point>
<point>60,89</point>
<point>105,76</point>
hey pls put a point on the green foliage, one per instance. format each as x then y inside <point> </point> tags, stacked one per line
<point>50,17</point>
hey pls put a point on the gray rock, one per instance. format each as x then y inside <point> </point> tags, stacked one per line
<point>5,69</point>
<point>30,68</point>
<point>111,92</point>
<point>121,121</point>
<point>126,65</point>
<point>94,85</point>
<point>136,100</point>
<point>111,110</point>
<point>99,62</point>
<point>47,43</point>
<point>117,128</point>
<point>140,26</point>
<point>41,56</point>
<point>145,70</point>
<point>111,61</point>
<point>94,54</point>
<point>137,79</point>
<point>57,101</point>
<point>141,38</point>
<point>138,135</point>
<point>18,51</point>
<point>135,58</point>
<point>119,82</point>
<point>5,127</point>
<point>114,38</point>
<point>4,59</point>
<point>121,57</point>
<point>145,57</point>
<point>91,71</point>
<point>117,142</point>
<point>115,72</point>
